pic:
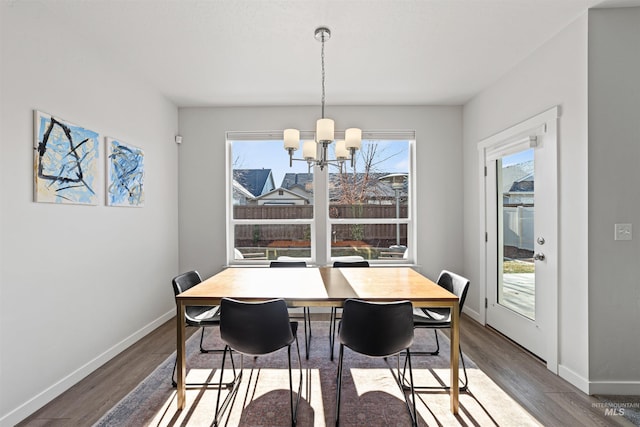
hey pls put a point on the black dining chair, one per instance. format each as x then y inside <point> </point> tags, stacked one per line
<point>196,316</point>
<point>255,329</point>
<point>378,330</point>
<point>440,318</point>
<point>333,318</point>
<point>306,313</point>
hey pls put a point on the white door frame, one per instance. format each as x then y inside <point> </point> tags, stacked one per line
<point>544,123</point>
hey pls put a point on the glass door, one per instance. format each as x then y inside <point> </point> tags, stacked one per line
<point>515,215</point>
<point>520,254</point>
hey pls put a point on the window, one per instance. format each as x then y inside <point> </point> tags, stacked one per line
<point>275,210</point>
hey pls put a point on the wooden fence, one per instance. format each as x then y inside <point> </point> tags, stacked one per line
<point>518,226</point>
<point>263,233</point>
<point>306,211</point>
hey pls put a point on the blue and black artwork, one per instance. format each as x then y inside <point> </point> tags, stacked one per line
<point>126,175</point>
<point>65,157</point>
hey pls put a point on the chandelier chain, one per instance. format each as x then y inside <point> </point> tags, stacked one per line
<point>323,74</point>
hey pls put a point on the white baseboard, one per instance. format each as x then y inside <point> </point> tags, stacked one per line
<point>32,405</point>
<point>473,314</point>
<point>624,388</point>
<point>572,377</point>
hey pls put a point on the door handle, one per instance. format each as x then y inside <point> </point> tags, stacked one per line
<point>539,257</point>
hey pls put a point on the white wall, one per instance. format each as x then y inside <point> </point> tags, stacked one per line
<point>556,74</point>
<point>202,174</point>
<point>78,283</point>
<point>614,179</point>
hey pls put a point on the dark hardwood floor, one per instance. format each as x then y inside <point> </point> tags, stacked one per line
<point>547,397</point>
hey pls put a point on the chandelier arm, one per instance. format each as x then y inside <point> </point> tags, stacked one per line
<point>321,162</point>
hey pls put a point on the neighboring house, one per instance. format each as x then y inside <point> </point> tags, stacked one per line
<point>281,196</point>
<point>256,181</point>
<point>241,196</point>
<point>518,211</point>
<point>521,191</point>
<point>374,191</point>
<point>300,179</point>
<point>518,183</point>
<point>366,188</point>
<point>305,191</point>
<point>299,183</point>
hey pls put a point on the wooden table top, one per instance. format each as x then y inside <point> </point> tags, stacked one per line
<point>384,284</point>
<point>324,286</point>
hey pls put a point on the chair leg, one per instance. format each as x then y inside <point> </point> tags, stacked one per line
<point>411,408</point>
<point>306,317</point>
<point>401,380</point>
<point>294,409</point>
<point>430,353</point>
<point>293,416</point>
<point>202,350</point>
<point>332,331</point>
<point>207,350</point>
<point>174,384</point>
<point>464,370</point>
<point>224,355</point>
<point>235,385</point>
<point>339,385</point>
<point>307,331</point>
<point>464,385</point>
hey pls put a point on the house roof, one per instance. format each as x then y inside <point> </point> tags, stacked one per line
<point>241,190</point>
<point>289,193</point>
<point>525,184</point>
<point>301,179</point>
<point>516,173</point>
<point>253,180</point>
<point>376,189</point>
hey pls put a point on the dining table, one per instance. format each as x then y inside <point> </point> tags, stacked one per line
<point>318,287</point>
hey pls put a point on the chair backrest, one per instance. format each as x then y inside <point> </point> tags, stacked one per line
<point>288,264</point>
<point>342,264</point>
<point>348,258</point>
<point>194,314</point>
<point>255,328</point>
<point>185,281</point>
<point>455,284</point>
<point>377,329</point>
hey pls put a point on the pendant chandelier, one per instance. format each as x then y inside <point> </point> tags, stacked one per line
<point>344,149</point>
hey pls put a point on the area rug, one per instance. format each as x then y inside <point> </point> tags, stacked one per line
<point>370,395</point>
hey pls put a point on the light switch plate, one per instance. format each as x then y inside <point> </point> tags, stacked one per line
<point>623,232</point>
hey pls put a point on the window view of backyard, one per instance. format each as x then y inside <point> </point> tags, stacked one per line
<point>516,287</point>
<point>274,206</point>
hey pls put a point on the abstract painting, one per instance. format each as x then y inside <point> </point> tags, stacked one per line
<point>65,162</point>
<point>125,174</point>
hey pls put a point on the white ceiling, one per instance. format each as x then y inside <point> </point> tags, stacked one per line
<point>259,52</point>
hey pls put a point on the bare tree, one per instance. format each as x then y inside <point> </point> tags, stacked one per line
<point>354,185</point>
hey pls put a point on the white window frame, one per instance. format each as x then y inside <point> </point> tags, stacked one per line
<point>320,224</point>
